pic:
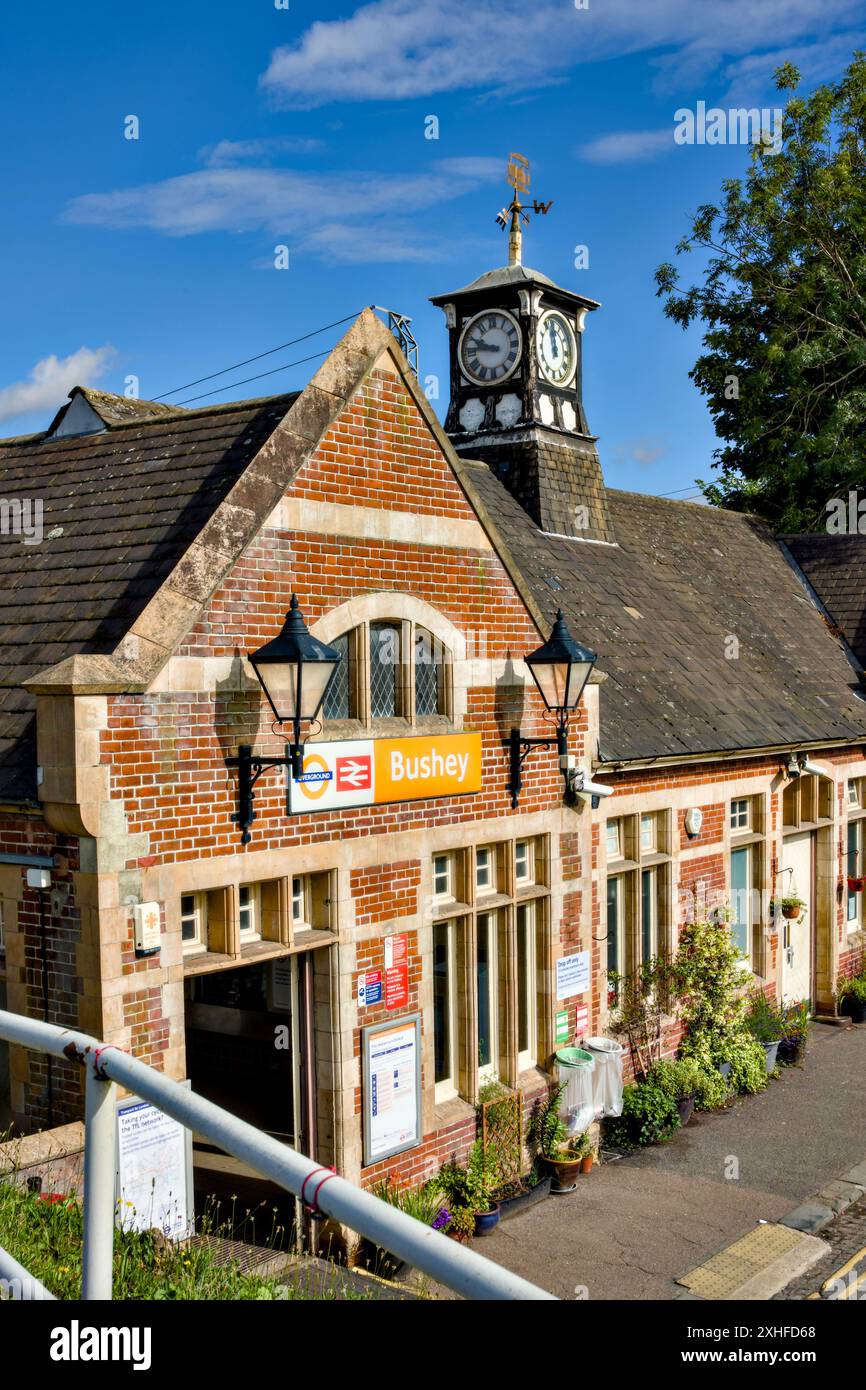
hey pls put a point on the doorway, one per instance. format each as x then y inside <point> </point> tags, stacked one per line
<point>797,935</point>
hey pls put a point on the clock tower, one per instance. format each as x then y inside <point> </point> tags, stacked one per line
<point>516,389</point>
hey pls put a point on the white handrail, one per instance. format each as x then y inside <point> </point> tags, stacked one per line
<point>451,1264</point>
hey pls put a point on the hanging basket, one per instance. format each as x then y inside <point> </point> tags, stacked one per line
<point>791,911</point>
<point>856,883</point>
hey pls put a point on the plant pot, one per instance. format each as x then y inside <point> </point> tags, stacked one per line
<point>853,1008</point>
<point>724,1068</point>
<point>685,1108</point>
<point>586,1164</point>
<point>792,912</point>
<point>565,1173</point>
<point>486,1221</point>
<point>770,1051</point>
<point>381,1262</point>
<point>460,1236</point>
<point>510,1206</point>
<point>856,883</point>
<point>791,1051</point>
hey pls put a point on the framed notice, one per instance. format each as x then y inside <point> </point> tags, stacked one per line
<point>154,1170</point>
<point>572,975</point>
<point>392,1087</point>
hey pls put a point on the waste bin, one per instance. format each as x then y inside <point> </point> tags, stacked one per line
<point>607,1076</point>
<point>575,1070</point>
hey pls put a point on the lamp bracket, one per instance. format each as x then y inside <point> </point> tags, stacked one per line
<point>519,750</point>
<point>250,767</point>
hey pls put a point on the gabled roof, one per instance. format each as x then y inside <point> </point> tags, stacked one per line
<point>835,566</point>
<point>143,521</point>
<point>708,640</point>
<point>120,509</point>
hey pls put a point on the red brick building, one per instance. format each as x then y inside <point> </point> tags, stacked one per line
<point>431,906</point>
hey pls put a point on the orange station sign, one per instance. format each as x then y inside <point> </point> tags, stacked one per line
<point>374,772</point>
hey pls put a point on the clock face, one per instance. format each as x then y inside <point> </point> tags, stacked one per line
<point>490,346</point>
<point>557,350</point>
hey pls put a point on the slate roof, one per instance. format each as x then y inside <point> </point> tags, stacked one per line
<point>120,509</point>
<point>659,609</point>
<point>835,566</point>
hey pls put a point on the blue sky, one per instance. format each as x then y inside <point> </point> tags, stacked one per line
<point>262,126</point>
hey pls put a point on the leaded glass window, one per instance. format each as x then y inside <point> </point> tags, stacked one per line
<point>384,669</point>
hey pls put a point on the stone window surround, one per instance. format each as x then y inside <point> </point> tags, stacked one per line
<point>354,617</point>
<point>633,860</point>
<point>463,915</point>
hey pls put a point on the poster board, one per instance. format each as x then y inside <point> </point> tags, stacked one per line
<point>572,975</point>
<point>392,1087</point>
<point>154,1183</point>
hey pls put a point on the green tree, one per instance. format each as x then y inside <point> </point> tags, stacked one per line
<point>782,297</point>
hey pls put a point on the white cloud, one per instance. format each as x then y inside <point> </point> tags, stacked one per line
<point>628,146</point>
<point>341,215</point>
<point>50,381</point>
<point>228,153</point>
<point>395,50</point>
<point>644,450</point>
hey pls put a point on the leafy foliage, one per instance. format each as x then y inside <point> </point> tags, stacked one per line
<point>640,1000</point>
<point>686,1077</point>
<point>649,1116</point>
<point>471,1186</point>
<point>547,1130</point>
<point>748,1063</point>
<point>782,299</point>
<point>708,972</point>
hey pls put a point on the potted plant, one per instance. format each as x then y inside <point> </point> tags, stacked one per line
<point>555,1148</point>
<point>586,1149</point>
<point>765,1021</point>
<point>795,1031</point>
<point>681,1079</point>
<point>424,1203</point>
<point>792,907</point>
<point>649,1116</point>
<point>851,997</point>
<point>471,1189</point>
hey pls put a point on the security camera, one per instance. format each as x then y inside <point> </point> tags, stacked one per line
<point>585,787</point>
<point>806,766</point>
<point>793,768</point>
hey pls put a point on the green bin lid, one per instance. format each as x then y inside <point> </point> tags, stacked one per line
<point>574,1057</point>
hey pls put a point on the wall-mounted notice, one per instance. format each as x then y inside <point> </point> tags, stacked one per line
<point>369,988</point>
<point>397,971</point>
<point>392,1088</point>
<point>572,975</point>
<point>154,1171</point>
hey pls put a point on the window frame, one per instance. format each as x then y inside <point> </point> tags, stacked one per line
<point>748,923</point>
<point>409,634</point>
<point>447,1087</point>
<point>615,823</point>
<point>527,879</point>
<point>196,944</point>
<point>735,814</point>
<point>251,932</point>
<point>301,894</point>
<point>526,982</point>
<point>854,921</point>
<point>491,886</point>
<point>445,894</point>
<point>489,1070</point>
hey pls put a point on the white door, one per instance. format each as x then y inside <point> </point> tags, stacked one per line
<point>796,936</point>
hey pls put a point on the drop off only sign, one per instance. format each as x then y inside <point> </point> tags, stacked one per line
<point>373,772</point>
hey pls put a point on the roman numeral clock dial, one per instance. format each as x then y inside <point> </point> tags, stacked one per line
<point>557,351</point>
<point>489,347</point>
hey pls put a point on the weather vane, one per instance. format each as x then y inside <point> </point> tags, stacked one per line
<point>516,211</point>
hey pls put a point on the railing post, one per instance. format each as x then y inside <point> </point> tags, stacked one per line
<point>100,1164</point>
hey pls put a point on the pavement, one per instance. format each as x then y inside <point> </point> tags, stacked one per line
<point>636,1225</point>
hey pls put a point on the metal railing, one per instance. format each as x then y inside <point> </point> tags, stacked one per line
<point>451,1264</point>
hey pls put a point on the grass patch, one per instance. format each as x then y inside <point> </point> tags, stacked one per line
<point>45,1236</point>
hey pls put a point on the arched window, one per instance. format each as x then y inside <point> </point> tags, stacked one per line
<point>390,669</point>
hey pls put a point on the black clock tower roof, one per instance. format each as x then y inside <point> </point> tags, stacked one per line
<point>508,275</point>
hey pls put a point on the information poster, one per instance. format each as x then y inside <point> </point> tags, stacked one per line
<point>392,1088</point>
<point>572,975</point>
<point>154,1171</point>
<point>396,971</point>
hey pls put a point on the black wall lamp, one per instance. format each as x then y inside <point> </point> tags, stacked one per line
<point>560,669</point>
<point>294,670</point>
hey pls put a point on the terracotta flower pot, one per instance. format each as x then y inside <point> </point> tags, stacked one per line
<point>586,1164</point>
<point>565,1173</point>
<point>791,911</point>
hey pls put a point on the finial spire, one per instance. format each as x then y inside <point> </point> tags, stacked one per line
<point>516,212</point>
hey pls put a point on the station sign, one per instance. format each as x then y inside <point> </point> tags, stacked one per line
<point>377,771</point>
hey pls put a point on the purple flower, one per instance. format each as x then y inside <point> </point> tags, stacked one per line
<point>442,1219</point>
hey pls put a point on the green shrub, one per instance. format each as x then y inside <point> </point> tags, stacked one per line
<point>748,1063</point>
<point>649,1116</point>
<point>472,1186</point>
<point>765,1019</point>
<point>686,1077</point>
<point>854,987</point>
<point>547,1131</point>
